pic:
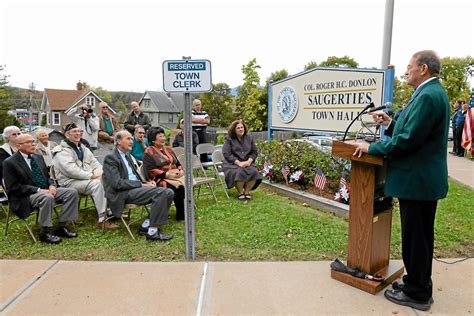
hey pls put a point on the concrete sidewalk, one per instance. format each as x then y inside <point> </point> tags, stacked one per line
<point>461,169</point>
<point>214,288</point>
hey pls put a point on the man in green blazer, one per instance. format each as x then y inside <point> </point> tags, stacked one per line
<point>417,174</point>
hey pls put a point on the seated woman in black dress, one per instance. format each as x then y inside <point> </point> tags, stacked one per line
<point>162,166</point>
<point>239,167</point>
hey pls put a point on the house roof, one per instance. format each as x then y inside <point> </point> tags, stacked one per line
<point>63,99</point>
<point>162,102</point>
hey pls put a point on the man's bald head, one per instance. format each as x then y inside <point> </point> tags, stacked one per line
<point>26,144</point>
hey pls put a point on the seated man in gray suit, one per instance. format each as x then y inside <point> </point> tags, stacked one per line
<point>28,185</point>
<point>123,184</point>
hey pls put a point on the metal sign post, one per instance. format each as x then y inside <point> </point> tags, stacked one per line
<point>188,76</point>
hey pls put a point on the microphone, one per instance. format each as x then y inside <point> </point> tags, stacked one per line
<point>386,105</point>
<point>370,106</point>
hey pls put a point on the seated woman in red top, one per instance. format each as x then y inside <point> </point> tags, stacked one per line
<point>162,166</point>
<point>239,167</point>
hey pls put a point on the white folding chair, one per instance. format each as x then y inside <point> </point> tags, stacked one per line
<point>178,151</point>
<point>217,158</point>
<point>205,148</point>
<point>199,175</point>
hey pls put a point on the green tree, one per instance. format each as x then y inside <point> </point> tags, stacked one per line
<point>333,61</point>
<point>401,93</point>
<point>6,103</point>
<point>455,71</point>
<point>218,104</point>
<point>248,104</point>
<point>103,94</point>
<point>122,108</point>
<point>274,77</point>
<point>310,65</point>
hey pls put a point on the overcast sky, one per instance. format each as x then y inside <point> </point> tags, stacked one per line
<point>121,45</point>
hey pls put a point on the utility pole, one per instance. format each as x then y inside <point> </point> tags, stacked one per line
<point>387,33</point>
<point>30,111</point>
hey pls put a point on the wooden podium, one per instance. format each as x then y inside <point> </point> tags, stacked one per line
<point>369,233</point>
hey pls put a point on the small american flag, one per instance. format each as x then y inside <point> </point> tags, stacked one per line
<point>285,171</point>
<point>342,182</point>
<point>319,179</point>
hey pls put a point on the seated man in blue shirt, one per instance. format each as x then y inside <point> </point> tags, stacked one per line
<point>123,185</point>
<point>139,143</point>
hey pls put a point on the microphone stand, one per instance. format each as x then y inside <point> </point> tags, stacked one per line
<point>371,105</point>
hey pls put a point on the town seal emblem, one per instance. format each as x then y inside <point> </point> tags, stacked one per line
<point>287,104</point>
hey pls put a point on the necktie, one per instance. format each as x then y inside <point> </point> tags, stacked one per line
<point>38,177</point>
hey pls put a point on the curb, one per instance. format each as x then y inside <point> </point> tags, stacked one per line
<point>320,203</point>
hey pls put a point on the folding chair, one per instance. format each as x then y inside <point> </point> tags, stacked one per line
<point>217,158</point>
<point>3,201</point>
<point>178,151</point>
<point>199,174</point>
<point>205,148</point>
<point>127,215</point>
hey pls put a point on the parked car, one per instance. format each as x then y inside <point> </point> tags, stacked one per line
<point>323,143</point>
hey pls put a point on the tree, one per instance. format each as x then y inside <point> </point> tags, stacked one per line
<point>6,103</point>
<point>334,61</point>
<point>122,108</point>
<point>401,93</point>
<point>274,77</point>
<point>218,104</point>
<point>248,104</point>
<point>103,94</point>
<point>455,71</point>
<point>310,65</point>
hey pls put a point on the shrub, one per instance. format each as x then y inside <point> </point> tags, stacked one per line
<point>299,156</point>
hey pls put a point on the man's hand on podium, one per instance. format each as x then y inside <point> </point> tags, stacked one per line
<point>360,149</point>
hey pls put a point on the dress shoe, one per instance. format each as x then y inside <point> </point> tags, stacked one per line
<point>142,230</point>
<point>159,236</point>
<point>453,153</point>
<point>64,232</point>
<point>460,155</point>
<point>400,298</point>
<point>49,238</point>
<point>398,286</point>
<point>107,225</point>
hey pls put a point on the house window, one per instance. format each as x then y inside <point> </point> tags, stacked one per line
<point>146,103</point>
<point>170,117</point>
<point>57,118</point>
<point>90,101</point>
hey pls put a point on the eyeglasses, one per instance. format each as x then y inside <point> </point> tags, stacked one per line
<point>143,133</point>
<point>103,107</point>
<point>16,134</point>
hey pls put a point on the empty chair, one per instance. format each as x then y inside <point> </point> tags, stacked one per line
<point>217,159</point>
<point>178,151</point>
<point>199,174</point>
<point>205,148</point>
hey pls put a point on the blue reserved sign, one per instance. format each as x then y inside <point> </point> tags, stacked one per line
<point>187,66</point>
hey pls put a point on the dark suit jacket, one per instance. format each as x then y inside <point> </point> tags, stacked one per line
<point>20,184</point>
<point>116,183</point>
<point>417,163</point>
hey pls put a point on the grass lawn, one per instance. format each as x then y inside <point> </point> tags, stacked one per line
<point>270,227</point>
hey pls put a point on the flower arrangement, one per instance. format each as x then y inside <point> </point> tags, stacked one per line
<point>268,172</point>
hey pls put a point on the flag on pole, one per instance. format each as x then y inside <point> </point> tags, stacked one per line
<point>285,171</point>
<point>319,179</point>
<point>468,130</point>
